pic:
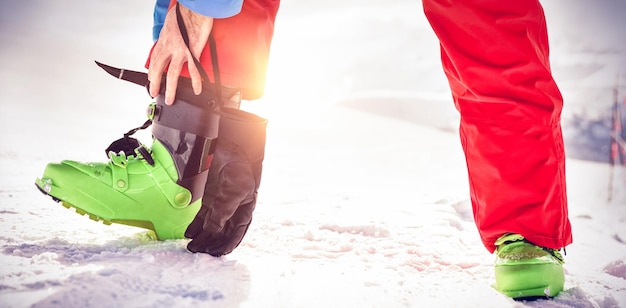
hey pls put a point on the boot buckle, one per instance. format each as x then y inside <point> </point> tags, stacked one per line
<point>119,173</point>
<point>153,111</point>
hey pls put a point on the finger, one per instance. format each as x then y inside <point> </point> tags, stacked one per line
<point>173,72</point>
<point>195,226</point>
<point>201,243</point>
<point>196,78</point>
<point>155,72</point>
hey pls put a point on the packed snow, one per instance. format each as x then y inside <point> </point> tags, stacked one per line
<point>364,198</point>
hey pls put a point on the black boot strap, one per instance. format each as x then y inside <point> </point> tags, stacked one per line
<point>130,145</point>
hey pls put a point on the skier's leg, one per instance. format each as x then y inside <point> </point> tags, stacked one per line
<point>495,55</point>
<point>242,45</point>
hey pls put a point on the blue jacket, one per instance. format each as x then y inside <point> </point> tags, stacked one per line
<point>213,8</point>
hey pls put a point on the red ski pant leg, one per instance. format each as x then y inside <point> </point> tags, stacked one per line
<point>495,55</point>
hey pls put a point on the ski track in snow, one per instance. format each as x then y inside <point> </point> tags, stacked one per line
<point>355,209</point>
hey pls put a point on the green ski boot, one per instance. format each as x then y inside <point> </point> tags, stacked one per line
<point>157,188</point>
<point>526,271</point>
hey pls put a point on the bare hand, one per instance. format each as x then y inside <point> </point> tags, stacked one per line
<point>170,52</point>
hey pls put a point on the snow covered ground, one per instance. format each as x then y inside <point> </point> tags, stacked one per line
<point>364,197</point>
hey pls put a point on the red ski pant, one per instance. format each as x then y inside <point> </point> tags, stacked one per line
<point>495,56</point>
